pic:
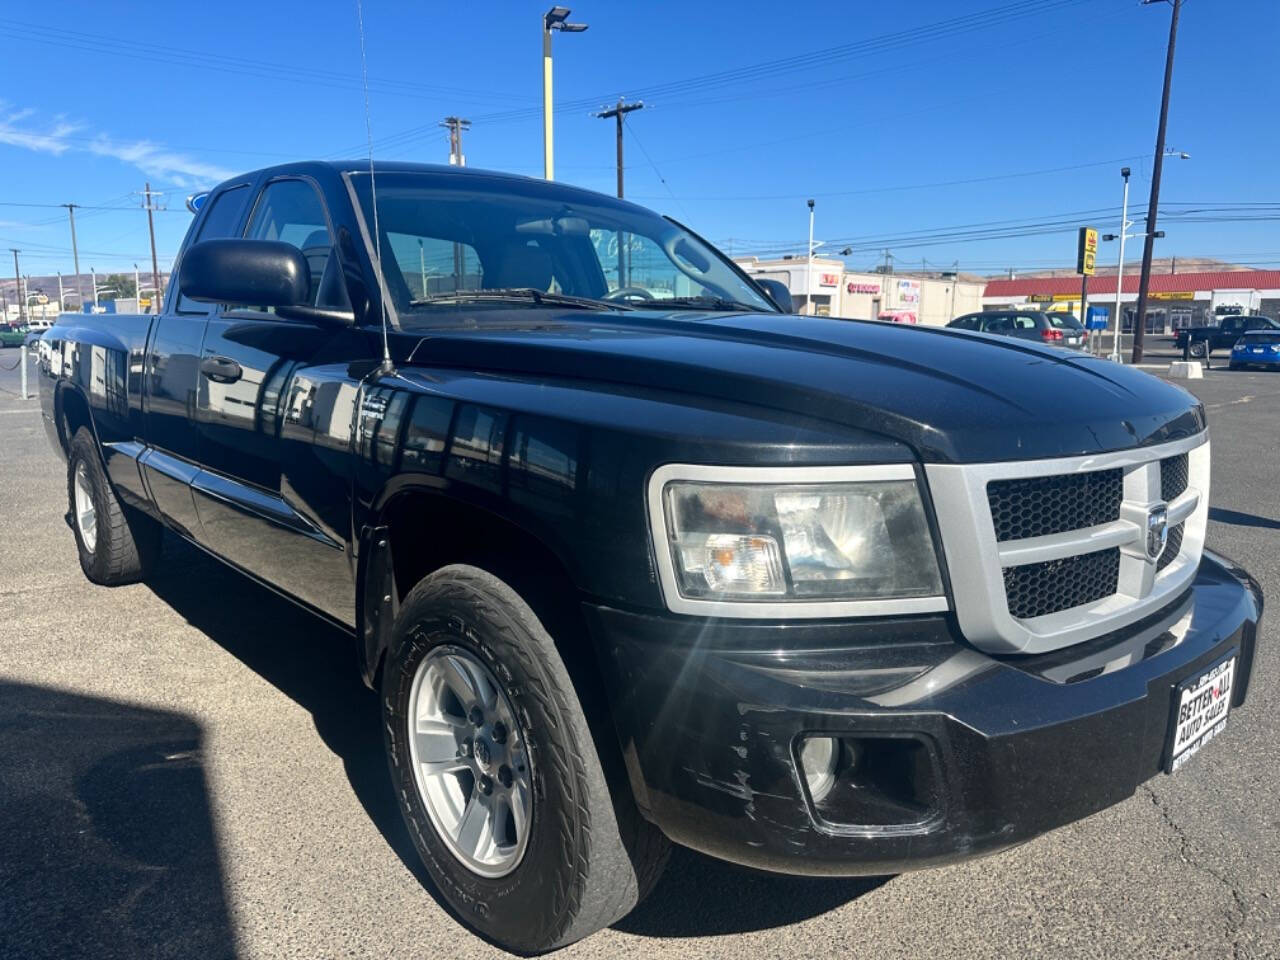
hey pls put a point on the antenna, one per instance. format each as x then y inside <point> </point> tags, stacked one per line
<point>387,366</point>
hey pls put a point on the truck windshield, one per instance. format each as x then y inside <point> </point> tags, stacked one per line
<point>449,238</point>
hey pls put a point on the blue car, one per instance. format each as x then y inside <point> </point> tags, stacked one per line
<point>1256,348</point>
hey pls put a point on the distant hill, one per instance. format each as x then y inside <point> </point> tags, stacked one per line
<point>1158,265</point>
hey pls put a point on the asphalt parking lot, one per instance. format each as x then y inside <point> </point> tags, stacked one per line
<point>191,768</point>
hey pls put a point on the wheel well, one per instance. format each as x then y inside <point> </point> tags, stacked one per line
<point>429,531</point>
<point>72,414</point>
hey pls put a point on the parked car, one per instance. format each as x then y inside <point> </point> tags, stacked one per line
<point>1054,329</point>
<point>1205,340</point>
<point>1260,348</point>
<point>12,335</point>
<point>810,595</point>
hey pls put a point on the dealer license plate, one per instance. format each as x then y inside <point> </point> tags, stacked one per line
<point>1200,707</point>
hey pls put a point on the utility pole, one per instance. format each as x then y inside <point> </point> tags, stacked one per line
<point>75,252</point>
<point>455,126</point>
<point>17,278</point>
<point>1144,280</point>
<point>617,113</point>
<point>151,226</point>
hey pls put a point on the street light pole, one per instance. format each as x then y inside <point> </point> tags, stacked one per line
<point>808,269</point>
<point>1144,280</point>
<point>17,279</point>
<point>1124,228</point>
<point>553,19</point>
<point>422,266</point>
<point>137,289</point>
<point>93,276</point>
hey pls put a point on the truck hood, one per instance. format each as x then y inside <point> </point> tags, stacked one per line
<point>951,396</point>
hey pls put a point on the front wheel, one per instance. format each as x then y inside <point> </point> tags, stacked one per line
<point>497,773</point>
<point>1199,349</point>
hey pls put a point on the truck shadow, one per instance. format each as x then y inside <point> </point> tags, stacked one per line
<point>1235,517</point>
<point>700,897</point>
<point>108,843</point>
<point>314,664</point>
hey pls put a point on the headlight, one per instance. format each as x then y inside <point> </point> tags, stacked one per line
<point>834,541</point>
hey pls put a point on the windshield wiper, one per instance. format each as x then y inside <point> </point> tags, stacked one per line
<point>519,295</point>
<point>709,303</point>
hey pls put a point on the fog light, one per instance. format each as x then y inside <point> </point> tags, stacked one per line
<point>818,759</point>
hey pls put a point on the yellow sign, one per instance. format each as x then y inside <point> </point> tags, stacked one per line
<point>1087,251</point>
<point>1175,295</point>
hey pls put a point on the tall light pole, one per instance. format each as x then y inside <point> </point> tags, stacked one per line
<point>62,303</point>
<point>137,289</point>
<point>422,266</point>
<point>1144,279</point>
<point>808,268</point>
<point>554,19</point>
<point>93,276</point>
<point>1124,229</point>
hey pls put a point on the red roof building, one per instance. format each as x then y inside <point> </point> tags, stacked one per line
<point>1165,283</point>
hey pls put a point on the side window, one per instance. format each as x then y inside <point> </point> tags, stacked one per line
<point>1023,322</point>
<point>999,325</point>
<point>221,221</point>
<point>291,211</point>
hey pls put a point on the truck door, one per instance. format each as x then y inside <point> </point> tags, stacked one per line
<point>172,378</point>
<point>275,411</point>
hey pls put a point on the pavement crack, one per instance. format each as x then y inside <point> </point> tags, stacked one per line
<point>1186,850</point>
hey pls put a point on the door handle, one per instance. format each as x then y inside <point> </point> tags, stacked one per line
<point>221,369</point>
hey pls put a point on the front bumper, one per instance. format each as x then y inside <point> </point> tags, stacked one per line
<point>710,715</point>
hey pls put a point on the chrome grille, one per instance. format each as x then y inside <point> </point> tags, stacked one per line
<point>1048,553</point>
<point>1037,589</point>
<point>1038,506</point>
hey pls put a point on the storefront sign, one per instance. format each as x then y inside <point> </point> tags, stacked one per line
<point>829,280</point>
<point>1087,251</point>
<point>872,288</point>
<point>1179,295</point>
<point>908,291</point>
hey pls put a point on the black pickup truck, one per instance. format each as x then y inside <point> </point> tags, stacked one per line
<point>1205,340</point>
<point>634,556</point>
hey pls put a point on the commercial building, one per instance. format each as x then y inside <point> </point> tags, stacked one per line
<point>1176,300</point>
<point>828,289</point>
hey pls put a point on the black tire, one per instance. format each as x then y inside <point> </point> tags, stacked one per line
<point>1199,349</point>
<point>590,856</point>
<point>127,543</point>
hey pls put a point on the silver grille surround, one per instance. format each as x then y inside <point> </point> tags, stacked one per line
<point>975,560</point>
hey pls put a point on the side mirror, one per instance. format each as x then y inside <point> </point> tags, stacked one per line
<point>778,293</point>
<point>245,273</point>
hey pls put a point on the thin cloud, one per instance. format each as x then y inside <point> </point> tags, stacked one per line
<point>20,128</point>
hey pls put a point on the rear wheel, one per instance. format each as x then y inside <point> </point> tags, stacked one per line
<point>116,544</point>
<point>497,774</point>
<point>1199,349</point>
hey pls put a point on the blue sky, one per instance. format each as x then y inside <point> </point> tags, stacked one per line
<point>878,110</point>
